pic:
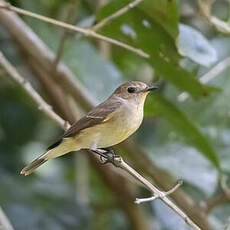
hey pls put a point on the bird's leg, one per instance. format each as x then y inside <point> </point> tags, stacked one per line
<point>110,151</point>
<point>111,155</point>
<point>107,155</point>
<point>100,152</point>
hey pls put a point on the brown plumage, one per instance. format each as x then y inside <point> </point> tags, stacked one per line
<point>106,125</point>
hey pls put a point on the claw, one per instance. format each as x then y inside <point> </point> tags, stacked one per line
<point>102,159</point>
<point>106,157</point>
<point>111,159</point>
<point>109,151</point>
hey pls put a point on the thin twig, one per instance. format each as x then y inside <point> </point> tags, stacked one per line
<point>157,193</point>
<point>4,221</point>
<point>213,202</point>
<point>154,197</point>
<point>103,47</point>
<point>42,105</point>
<point>86,32</point>
<point>205,9</point>
<point>214,72</point>
<point>70,19</point>
<point>115,15</point>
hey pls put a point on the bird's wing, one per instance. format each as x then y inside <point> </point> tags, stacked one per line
<point>98,115</point>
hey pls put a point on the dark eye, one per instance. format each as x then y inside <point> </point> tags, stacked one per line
<point>131,89</point>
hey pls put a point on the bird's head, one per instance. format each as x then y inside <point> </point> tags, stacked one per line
<point>134,90</point>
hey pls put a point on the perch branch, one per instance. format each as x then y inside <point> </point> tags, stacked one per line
<point>115,15</point>
<point>42,105</point>
<point>86,32</point>
<point>157,193</point>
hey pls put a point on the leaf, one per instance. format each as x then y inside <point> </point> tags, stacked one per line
<point>165,13</point>
<point>158,106</point>
<point>192,44</point>
<point>139,28</point>
<point>195,170</point>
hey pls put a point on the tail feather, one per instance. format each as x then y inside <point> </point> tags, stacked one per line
<point>57,149</point>
<point>32,166</point>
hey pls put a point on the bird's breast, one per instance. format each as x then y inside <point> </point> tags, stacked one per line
<point>123,123</point>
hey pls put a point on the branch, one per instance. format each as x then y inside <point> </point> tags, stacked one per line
<point>214,72</point>
<point>115,15</point>
<point>42,105</point>
<point>4,222</point>
<point>205,9</point>
<point>103,47</point>
<point>157,193</point>
<point>173,189</point>
<point>210,204</point>
<point>218,199</point>
<point>69,19</point>
<point>86,32</point>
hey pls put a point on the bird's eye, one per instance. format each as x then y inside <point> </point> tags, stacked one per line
<point>131,89</point>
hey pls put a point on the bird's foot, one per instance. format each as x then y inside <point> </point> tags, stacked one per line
<point>107,155</point>
<point>100,152</point>
<point>111,158</point>
<point>109,151</point>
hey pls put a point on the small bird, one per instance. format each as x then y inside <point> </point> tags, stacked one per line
<point>106,125</point>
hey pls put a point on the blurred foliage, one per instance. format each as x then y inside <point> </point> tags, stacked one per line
<point>192,44</point>
<point>139,29</point>
<point>158,106</point>
<point>188,139</point>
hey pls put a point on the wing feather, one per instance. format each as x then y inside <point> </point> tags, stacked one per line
<point>98,115</point>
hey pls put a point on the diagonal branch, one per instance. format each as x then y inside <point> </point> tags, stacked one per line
<point>214,202</point>
<point>70,19</point>
<point>161,195</point>
<point>86,32</point>
<point>205,9</point>
<point>118,161</point>
<point>115,15</point>
<point>42,105</point>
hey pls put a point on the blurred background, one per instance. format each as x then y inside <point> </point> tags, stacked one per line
<point>183,136</point>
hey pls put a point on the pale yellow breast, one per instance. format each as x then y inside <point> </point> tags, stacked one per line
<point>120,126</point>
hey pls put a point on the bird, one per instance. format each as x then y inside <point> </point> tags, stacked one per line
<point>106,125</point>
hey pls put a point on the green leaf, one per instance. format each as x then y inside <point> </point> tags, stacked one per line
<point>140,28</point>
<point>159,106</point>
<point>165,13</point>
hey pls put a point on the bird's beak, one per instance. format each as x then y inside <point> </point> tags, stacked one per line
<point>150,88</point>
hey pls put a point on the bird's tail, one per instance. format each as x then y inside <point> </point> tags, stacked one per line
<point>59,149</point>
<point>33,165</point>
